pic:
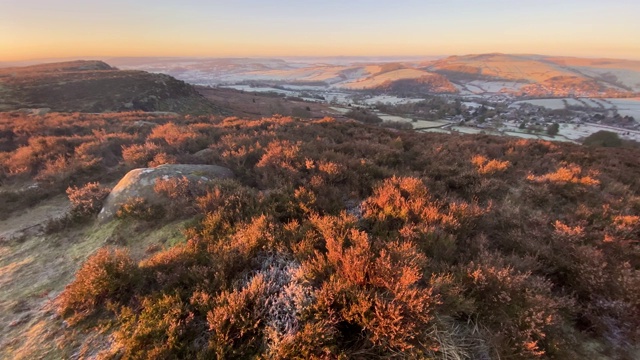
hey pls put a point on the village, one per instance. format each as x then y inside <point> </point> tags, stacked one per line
<point>561,119</point>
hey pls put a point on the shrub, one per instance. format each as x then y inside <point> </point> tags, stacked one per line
<point>162,159</point>
<point>603,138</point>
<point>161,330</point>
<point>280,163</point>
<point>528,310</point>
<point>568,174</point>
<point>553,129</point>
<point>56,170</point>
<point>377,292</point>
<point>176,136</point>
<point>140,155</point>
<point>399,125</point>
<point>488,167</point>
<point>364,116</point>
<point>109,275</point>
<point>139,209</point>
<point>87,200</point>
<point>235,321</point>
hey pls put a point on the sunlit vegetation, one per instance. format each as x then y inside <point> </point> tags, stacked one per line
<point>87,200</point>
<point>345,240</point>
<point>486,166</point>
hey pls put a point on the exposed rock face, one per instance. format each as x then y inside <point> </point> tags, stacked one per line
<point>141,182</point>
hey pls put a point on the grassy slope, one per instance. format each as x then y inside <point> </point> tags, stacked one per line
<point>35,268</point>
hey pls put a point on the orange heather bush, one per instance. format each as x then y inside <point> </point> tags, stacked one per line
<point>182,194</point>
<point>140,155</point>
<point>374,291</point>
<point>405,203</point>
<point>108,275</point>
<point>528,309</point>
<point>405,199</point>
<point>87,200</point>
<point>570,232</point>
<point>568,174</point>
<point>280,163</point>
<point>235,321</point>
<point>174,188</point>
<point>488,167</point>
<point>626,222</point>
<point>21,161</point>
<point>162,159</point>
<point>56,169</point>
<point>174,135</point>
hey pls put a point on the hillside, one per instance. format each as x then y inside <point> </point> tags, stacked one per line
<point>94,86</point>
<point>356,76</point>
<point>621,73</point>
<point>335,239</point>
<point>483,74</point>
<point>539,76</point>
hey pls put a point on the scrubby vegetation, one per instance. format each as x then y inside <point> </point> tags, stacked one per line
<point>603,138</point>
<point>87,200</point>
<point>364,116</point>
<point>344,240</point>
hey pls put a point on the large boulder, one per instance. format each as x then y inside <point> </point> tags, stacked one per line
<point>139,183</point>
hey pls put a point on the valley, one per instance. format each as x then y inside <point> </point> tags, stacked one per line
<point>526,94</point>
<point>333,208</point>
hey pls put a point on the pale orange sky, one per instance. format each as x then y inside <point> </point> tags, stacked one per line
<point>71,28</point>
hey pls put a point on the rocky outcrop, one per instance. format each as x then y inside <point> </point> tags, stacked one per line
<point>139,183</point>
<point>90,86</point>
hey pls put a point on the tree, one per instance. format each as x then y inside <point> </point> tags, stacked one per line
<point>603,138</point>
<point>553,129</point>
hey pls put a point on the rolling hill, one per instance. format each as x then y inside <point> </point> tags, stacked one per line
<point>363,75</point>
<point>517,75</point>
<point>94,86</point>
<point>533,75</point>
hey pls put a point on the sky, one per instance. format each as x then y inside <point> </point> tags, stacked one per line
<point>38,29</point>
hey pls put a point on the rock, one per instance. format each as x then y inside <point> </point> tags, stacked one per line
<point>206,154</point>
<point>141,182</point>
<point>35,112</point>
<point>141,123</point>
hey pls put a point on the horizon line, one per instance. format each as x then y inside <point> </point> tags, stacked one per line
<point>203,57</point>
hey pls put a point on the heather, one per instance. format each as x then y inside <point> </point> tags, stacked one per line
<point>343,240</point>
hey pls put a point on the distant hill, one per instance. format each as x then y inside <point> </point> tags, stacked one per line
<point>369,75</point>
<point>94,86</point>
<point>400,78</point>
<point>535,75</point>
<point>525,75</point>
